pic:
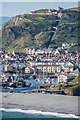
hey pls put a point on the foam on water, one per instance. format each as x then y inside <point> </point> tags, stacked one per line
<point>41,113</point>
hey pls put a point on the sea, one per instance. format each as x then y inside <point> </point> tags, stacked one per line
<point>18,114</point>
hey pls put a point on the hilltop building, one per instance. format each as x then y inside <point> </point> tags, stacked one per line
<point>31,12</point>
<point>49,12</point>
<point>59,8</point>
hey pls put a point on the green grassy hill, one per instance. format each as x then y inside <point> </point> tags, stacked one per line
<point>75,9</point>
<point>67,29</point>
<point>37,30</point>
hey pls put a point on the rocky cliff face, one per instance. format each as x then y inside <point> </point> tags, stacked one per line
<point>39,30</point>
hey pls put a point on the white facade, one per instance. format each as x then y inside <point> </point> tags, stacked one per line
<point>65,77</point>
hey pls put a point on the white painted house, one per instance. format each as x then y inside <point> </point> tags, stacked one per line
<point>65,77</point>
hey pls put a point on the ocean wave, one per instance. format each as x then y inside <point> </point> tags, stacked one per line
<point>61,115</point>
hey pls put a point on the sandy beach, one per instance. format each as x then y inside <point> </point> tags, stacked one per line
<point>40,102</point>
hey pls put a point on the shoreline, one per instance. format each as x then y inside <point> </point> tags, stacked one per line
<point>41,102</point>
<point>35,112</point>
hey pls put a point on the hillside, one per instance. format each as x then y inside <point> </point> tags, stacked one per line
<point>75,9</point>
<point>67,29</point>
<point>40,30</point>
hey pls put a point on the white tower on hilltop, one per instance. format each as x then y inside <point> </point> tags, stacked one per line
<point>59,8</point>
